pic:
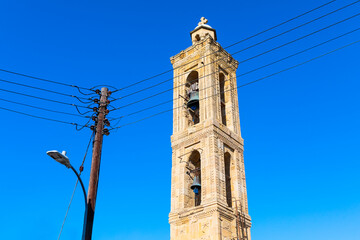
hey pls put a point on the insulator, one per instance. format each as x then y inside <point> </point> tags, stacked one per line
<point>109,93</point>
<point>95,109</point>
<point>96,100</point>
<point>107,111</point>
<point>97,91</point>
<point>108,102</point>
<point>106,132</point>
<point>94,118</point>
<point>92,127</point>
<point>107,122</point>
<point>81,168</point>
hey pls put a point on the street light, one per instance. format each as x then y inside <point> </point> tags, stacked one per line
<point>60,157</point>
<point>64,160</point>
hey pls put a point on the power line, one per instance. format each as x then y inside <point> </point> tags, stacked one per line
<point>291,19</point>
<point>45,99</point>
<point>243,85</point>
<point>243,40</point>
<point>307,35</point>
<point>45,90</point>
<point>44,80</point>
<point>68,208</point>
<point>142,110</point>
<point>77,181</point>
<point>44,118</point>
<point>45,109</point>
<point>251,71</point>
<point>248,59</point>
<point>256,44</point>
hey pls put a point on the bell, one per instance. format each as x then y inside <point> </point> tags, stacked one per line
<point>196,186</point>
<point>193,102</point>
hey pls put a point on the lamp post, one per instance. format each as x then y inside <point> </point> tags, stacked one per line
<point>64,160</point>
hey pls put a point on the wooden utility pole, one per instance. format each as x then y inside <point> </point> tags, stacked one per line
<point>95,164</point>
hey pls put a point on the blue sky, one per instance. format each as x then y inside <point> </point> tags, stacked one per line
<point>301,127</point>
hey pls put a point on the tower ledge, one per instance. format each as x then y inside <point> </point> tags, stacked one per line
<point>182,58</point>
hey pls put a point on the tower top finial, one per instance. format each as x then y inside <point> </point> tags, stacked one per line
<point>201,30</point>
<point>203,21</point>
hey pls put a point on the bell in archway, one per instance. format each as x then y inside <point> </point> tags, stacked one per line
<point>196,186</point>
<point>193,102</point>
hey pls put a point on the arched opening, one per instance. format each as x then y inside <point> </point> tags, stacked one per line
<point>192,93</point>
<point>197,37</point>
<point>222,98</point>
<point>194,180</point>
<point>227,163</point>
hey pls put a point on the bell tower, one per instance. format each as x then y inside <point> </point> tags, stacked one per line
<point>208,188</point>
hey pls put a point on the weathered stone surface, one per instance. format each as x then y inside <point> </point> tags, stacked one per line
<point>214,144</point>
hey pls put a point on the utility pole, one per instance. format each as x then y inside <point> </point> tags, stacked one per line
<point>95,163</point>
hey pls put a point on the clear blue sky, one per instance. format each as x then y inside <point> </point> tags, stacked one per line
<point>301,127</point>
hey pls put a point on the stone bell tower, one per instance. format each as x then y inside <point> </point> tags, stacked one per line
<point>208,188</point>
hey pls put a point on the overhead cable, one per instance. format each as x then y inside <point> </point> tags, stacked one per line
<point>254,45</point>
<point>243,61</point>
<point>278,25</point>
<point>45,109</point>
<point>45,99</point>
<point>243,40</point>
<point>248,72</point>
<point>44,118</point>
<point>45,90</point>
<point>43,79</point>
<point>77,181</point>
<point>246,84</point>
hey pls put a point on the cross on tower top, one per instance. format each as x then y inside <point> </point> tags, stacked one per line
<point>202,30</point>
<point>202,21</point>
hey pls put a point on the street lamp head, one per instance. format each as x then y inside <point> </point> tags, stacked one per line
<point>60,157</point>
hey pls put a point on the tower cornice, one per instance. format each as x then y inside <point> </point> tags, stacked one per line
<point>188,137</point>
<point>181,59</point>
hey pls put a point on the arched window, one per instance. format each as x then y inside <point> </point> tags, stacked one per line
<point>222,98</point>
<point>194,180</point>
<point>192,93</point>
<point>227,163</point>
